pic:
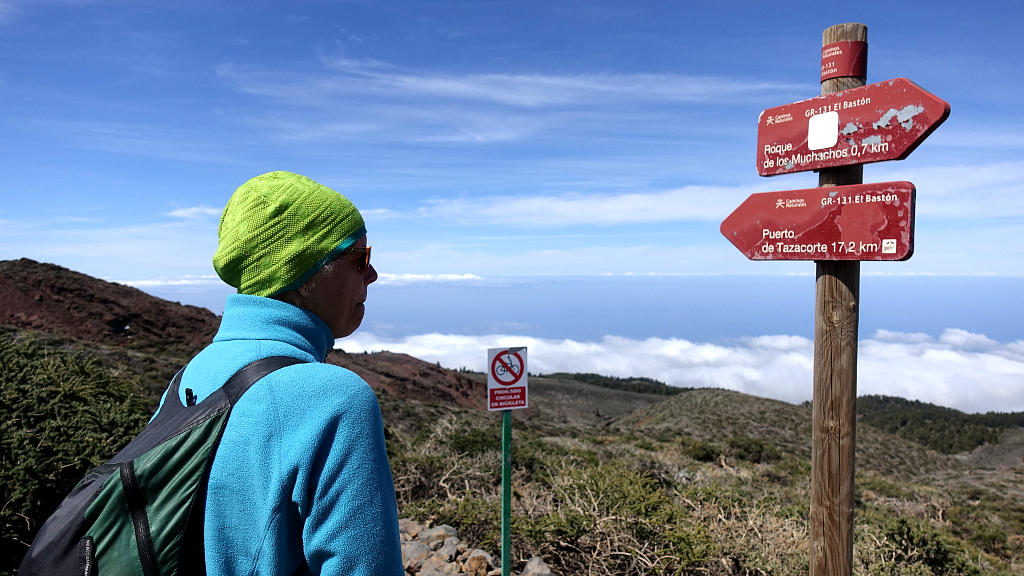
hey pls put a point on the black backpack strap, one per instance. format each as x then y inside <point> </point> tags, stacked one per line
<point>193,556</point>
<point>174,417</point>
<point>252,373</point>
<point>172,389</point>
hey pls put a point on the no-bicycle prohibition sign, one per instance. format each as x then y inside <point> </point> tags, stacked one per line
<point>506,379</point>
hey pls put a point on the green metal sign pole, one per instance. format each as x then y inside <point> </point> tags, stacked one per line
<point>506,492</point>
<point>506,390</point>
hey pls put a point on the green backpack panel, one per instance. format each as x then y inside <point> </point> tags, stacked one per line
<point>142,511</point>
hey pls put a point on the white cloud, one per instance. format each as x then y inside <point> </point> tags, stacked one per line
<point>194,212</point>
<point>685,204</point>
<point>904,337</point>
<point>371,100</point>
<point>962,191</point>
<point>187,280</point>
<point>169,249</point>
<point>342,76</point>
<point>969,372</point>
<point>403,279</point>
<point>982,136</point>
<point>954,192</point>
<point>601,257</point>
<point>380,214</point>
<point>956,338</point>
<point>140,139</point>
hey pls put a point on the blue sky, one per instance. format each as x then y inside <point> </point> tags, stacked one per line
<point>551,172</point>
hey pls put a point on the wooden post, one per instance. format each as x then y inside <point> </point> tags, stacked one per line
<point>836,322</point>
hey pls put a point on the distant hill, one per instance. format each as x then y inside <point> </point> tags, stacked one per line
<point>636,384</point>
<point>116,322</point>
<point>942,429</point>
<point>716,417</point>
<point>403,376</point>
<point>65,303</point>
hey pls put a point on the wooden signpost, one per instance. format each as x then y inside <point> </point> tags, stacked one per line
<point>838,224</point>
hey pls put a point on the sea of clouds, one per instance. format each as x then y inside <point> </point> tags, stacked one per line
<point>957,369</point>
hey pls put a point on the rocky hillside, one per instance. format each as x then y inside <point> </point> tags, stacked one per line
<point>68,304</point>
<point>65,304</point>
<point>403,376</point>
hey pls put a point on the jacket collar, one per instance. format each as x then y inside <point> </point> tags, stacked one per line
<point>249,317</point>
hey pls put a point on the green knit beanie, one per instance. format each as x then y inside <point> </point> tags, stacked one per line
<point>279,229</point>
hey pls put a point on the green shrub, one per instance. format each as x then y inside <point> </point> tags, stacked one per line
<point>472,441</point>
<point>477,519</point>
<point>620,518</point>
<point>699,450</point>
<point>915,543</point>
<point>751,450</point>
<point>942,429</point>
<point>61,414</point>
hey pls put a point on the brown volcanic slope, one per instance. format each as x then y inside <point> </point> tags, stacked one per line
<point>409,378</point>
<point>67,304</point>
<point>64,303</point>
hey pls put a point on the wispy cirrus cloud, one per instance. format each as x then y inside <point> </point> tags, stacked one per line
<point>959,369</point>
<point>404,279</point>
<point>166,249</point>
<point>194,212</point>
<point>187,280</point>
<point>601,256</point>
<point>369,99</point>
<point>685,204</point>
<point>346,77</point>
<point>962,191</point>
<point>982,136</point>
<point>410,124</point>
<point>150,139</point>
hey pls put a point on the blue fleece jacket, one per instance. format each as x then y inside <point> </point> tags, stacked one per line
<point>300,483</point>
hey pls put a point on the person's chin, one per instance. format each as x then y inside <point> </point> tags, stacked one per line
<point>354,322</point>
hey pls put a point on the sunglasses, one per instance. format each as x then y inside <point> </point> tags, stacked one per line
<point>364,264</point>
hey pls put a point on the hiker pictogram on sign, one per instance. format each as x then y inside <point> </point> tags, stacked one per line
<point>506,379</point>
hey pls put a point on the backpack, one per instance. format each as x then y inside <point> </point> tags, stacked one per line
<point>142,511</point>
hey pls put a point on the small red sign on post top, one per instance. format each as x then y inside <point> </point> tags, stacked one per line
<point>847,58</point>
<point>506,379</point>
<point>873,123</point>
<point>858,222</point>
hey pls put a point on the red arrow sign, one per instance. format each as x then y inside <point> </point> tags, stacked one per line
<point>858,222</point>
<point>881,121</point>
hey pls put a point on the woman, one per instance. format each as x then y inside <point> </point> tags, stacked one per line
<point>301,482</point>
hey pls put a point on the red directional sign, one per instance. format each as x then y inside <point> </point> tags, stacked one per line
<point>881,121</point>
<point>858,222</point>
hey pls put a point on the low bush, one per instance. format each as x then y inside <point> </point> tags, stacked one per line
<point>752,450</point>
<point>610,519</point>
<point>61,414</point>
<point>699,450</point>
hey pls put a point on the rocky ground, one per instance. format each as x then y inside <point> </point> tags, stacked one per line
<point>437,551</point>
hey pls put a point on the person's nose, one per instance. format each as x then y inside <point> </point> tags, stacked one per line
<point>371,275</point>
